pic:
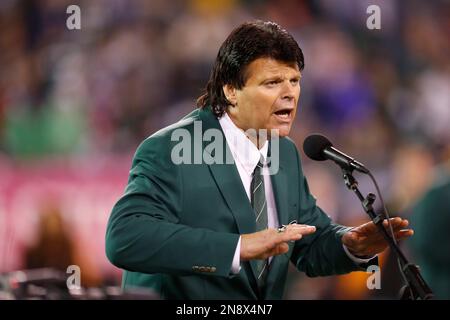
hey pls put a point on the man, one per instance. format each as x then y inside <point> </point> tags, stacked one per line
<point>220,230</point>
<point>431,246</point>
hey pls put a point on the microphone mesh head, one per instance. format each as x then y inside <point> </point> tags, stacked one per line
<point>314,145</point>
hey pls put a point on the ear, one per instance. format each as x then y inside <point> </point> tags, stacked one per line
<point>230,94</point>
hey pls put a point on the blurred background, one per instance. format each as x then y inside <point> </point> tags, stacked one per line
<point>75,104</point>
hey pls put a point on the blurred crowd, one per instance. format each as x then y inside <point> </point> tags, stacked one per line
<point>136,66</point>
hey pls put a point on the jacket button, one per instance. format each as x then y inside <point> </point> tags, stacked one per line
<point>213,269</point>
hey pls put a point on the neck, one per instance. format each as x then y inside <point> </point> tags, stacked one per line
<point>258,140</point>
<point>253,135</point>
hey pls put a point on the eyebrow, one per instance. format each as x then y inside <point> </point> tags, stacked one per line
<point>272,78</point>
<point>277,77</point>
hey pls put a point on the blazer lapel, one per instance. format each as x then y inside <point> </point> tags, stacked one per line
<point>228,181</point>
<point>280,189</point>
<point>230,185</point>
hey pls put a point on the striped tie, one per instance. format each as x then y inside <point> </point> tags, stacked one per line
<point>258,200</point>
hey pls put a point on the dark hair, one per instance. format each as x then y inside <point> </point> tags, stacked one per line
<point>246,43</point>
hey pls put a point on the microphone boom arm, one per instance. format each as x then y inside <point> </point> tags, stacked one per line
<point>416,287</point>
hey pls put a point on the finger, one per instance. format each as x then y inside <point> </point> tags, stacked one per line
<point>297,225</point>
<point>350,239</point>
<point>402,234</point>
<point>282,248</point>
<point>395,222</point>
<point>291,234</point>
<point>306,230</point>
<point>277,250</point>
<point>365,228</point>
<point>276,237</point>
<point>398,225</point>
<point>302,230</point>
<point>294,233</point>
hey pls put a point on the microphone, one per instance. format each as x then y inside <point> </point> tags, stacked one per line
<point>318,147</point>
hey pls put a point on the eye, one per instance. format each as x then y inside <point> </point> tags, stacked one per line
<point>295,81</point>
<point>272,83</point>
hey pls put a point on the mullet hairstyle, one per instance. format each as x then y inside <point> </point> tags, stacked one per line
<point>246,43</point>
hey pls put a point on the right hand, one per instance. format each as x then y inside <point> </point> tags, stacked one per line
<point>267,243</point>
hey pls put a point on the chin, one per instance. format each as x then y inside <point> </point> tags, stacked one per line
<point>283,131</point>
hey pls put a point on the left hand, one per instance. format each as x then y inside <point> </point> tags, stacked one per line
<point>367,240</point>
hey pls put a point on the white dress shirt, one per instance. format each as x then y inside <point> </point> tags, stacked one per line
<point>246,156</point>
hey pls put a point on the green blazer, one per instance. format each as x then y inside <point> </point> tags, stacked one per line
<point>176,228</point>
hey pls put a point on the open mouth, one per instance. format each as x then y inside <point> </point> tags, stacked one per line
<point>284,113</point>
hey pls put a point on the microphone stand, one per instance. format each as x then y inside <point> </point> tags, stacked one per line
<point>416,288</point>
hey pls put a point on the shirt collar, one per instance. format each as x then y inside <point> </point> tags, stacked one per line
<point>244,151</point>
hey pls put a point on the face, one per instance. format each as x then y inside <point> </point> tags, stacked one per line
<point>269,98</point>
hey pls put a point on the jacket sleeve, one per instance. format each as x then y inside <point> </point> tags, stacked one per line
<point>322,253</point>
<point>144,233</point>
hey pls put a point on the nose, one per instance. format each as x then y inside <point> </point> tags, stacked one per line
<point>288,91</point>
